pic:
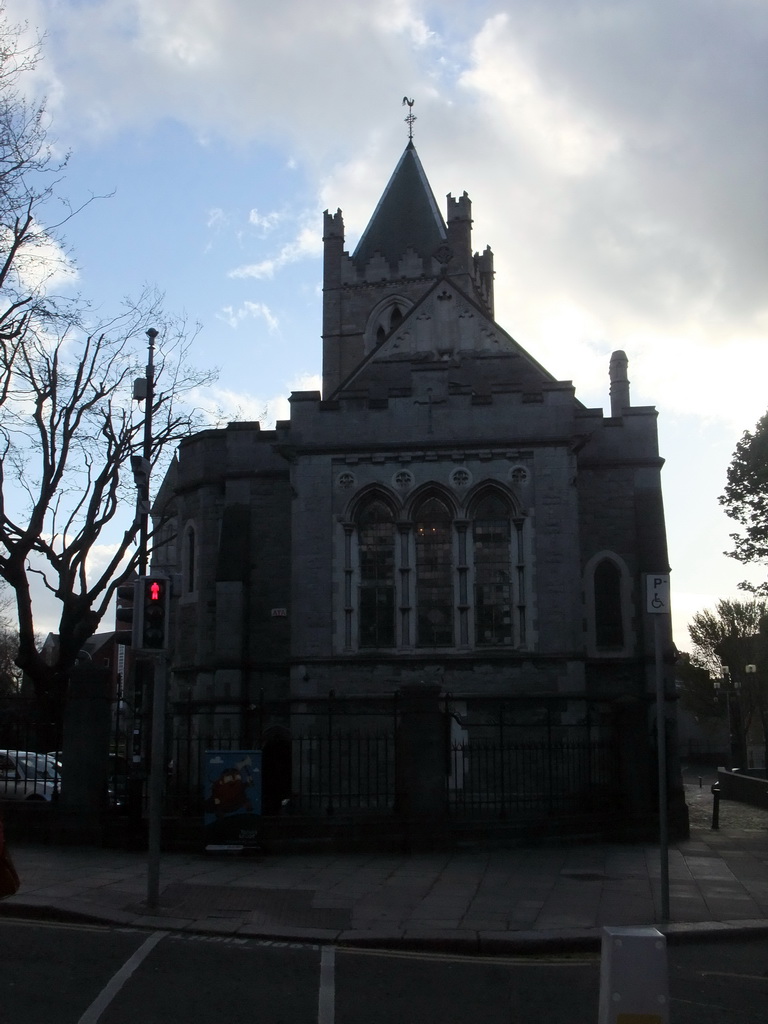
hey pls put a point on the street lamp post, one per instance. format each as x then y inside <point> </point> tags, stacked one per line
<point>729,687</point>
<point>143,496</point>
<point>143,390</point>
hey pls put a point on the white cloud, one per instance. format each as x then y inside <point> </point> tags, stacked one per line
<point>216,217</point>
<point>42,264</point>
<point>306,382</point>
<point>554,128</point>
<point>221,405</point>
<point>401,17</point>
<point>266,222</point>
<point>307,244</point>
<point>249,310</point>
<point>232,68</point>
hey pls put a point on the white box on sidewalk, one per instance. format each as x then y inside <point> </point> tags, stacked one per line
<point>634,984</point>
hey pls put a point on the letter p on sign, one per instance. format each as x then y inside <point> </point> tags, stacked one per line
<point>657,593</point>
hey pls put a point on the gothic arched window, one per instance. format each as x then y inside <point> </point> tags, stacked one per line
<point>609,625</point>
<point>491,533</point>
<point>433,533</point>
<point>376,554</point>
<point>385,319</point>
<point>396,319</point>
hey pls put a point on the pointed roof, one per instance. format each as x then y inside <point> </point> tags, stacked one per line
<point>406,216</point>
<point>480,353</point>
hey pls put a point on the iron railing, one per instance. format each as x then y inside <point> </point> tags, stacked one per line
<point>506,759</point>
<point>532,779</point>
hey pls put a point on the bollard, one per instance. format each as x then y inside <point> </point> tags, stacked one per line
<point>634,987</point>
<point>699,782</point>
<point>716,806</point>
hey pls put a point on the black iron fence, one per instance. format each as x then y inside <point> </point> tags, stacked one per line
<point>527,758</point>
<point>504,759</point>
<point>319,756</point>
<point>533,780</point>
<point>351,773</point>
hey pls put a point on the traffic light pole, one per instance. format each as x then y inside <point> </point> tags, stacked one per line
<point>143,390</point>
<point>156,777</point>
<point>151,622</point>
<point>147,454</point>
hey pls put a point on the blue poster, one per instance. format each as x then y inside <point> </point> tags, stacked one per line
<point>231,796</point>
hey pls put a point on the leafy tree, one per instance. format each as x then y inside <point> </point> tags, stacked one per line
<point>746,500</point>
<point>696,688</point>
<point>735,635</point>
<point>68,421</point>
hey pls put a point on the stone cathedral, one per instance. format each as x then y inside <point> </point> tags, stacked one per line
<point>445,514</point>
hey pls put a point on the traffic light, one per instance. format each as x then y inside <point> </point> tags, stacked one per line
<point>140,468</point>
<point>154,600</point>
<point>125,611</point>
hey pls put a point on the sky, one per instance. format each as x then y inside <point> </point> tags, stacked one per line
<point>615,153</point>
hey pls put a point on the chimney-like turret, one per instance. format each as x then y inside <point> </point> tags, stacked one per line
<point>484,267</point>
<point>333,256</point>
<point>460,233</point>
<point>619,383</point>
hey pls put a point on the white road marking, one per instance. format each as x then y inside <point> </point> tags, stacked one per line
<point>116,982</point>
<point>582,959</point>
<point>326,1000</point>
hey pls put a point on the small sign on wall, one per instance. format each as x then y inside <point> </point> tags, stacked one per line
<point>279,613</point>
<point>657,593</point>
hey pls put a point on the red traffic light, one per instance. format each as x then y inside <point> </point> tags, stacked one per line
<point>154,623</point>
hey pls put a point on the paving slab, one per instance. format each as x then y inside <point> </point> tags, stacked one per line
<point>473,900</point>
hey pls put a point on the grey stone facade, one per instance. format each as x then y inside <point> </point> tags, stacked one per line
<point>551,512</point>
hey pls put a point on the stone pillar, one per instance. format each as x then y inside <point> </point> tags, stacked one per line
<point>636,762</point>
<point>422,762</point>
<point>85,754</point>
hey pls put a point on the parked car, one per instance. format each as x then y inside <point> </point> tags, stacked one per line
<point>27,775</point>
<point>117,781</point>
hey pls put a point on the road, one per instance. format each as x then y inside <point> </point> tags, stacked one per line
<point>85,975</point>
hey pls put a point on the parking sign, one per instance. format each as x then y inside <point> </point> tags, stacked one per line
<point>657,593</point>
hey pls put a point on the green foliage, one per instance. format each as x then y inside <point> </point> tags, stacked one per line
<point>746,500</point>
<point>735,635</point>
<point>696,689</point>
<point>727,634</point>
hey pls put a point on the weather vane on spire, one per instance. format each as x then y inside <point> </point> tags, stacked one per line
<point>411,116</point>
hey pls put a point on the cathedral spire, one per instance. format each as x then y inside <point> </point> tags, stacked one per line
<point>406,217</point>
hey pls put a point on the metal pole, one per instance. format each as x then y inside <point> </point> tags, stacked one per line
<point>147,454</point>
<point>142,506</point>
<point>661,734</point>
<point>156,780</point>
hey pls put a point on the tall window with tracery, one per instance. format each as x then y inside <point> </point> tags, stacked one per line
<point>491,533</point>
<point>433,532</point>
<point>376,551</point>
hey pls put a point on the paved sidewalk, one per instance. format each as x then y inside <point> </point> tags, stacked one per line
<point>494,901</point>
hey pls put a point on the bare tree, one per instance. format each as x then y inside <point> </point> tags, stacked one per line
<point>68,428</point>
<point>32,255</point>
<point>68,421</point>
